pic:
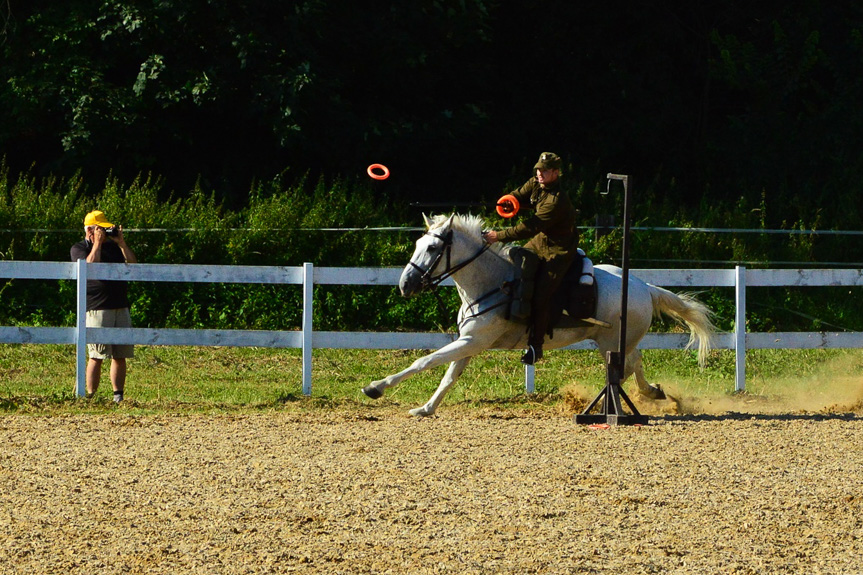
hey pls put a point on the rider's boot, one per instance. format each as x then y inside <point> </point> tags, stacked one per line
<point>531,355</point>
<point>536,335</point>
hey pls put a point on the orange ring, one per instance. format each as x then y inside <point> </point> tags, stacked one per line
<point>501,208</point>
<point>376,176</point>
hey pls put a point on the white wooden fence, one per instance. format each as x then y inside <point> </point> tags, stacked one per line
<point>308,339</point>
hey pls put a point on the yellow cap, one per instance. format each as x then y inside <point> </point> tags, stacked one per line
<point>97,218</point>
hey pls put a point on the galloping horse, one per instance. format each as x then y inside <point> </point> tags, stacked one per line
<point>455,244</point>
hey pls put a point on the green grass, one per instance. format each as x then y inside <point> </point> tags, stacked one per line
<point>41,378</point>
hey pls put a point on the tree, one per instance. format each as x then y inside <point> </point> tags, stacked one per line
<point>236,90</point>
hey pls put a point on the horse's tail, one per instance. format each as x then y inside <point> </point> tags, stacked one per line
<point>686,310</point>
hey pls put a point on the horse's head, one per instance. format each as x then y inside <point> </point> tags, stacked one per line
<point>432,255</point>
<point>449,244</point>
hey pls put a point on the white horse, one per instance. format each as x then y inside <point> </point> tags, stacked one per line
<point>453,247</point>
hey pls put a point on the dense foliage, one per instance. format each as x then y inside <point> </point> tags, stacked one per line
<point>715,100</point>
<point>238,127</point>
<point>288,222</point>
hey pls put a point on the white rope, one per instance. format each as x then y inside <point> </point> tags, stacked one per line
<point>173,230</point>
<point>421,229</point>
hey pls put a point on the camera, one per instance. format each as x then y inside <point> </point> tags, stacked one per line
<point>112,232</point>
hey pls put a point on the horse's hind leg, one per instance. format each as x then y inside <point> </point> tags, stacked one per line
<point>454,371</point>
<point>634,365</point>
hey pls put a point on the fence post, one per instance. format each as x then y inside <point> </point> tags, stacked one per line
<point>529,379</point>
<point>308,292</point>
<point>740,329</point>
<point>81,330</point>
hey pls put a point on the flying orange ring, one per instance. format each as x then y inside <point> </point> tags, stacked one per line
<point>507,206</point>
<point>373,172</point>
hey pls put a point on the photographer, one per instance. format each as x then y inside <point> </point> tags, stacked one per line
<point>107,301</point>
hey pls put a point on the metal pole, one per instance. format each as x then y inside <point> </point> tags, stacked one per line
<point>612,408</point>
<point>624,294</point>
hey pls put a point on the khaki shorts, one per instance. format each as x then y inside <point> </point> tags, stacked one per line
<point>110,318</point>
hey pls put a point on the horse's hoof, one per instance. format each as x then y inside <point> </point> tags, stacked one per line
<point>373,392</point>
<point>656,393</point>
<point>420,412</point>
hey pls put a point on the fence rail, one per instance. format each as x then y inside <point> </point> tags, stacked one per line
<point>308,339</point>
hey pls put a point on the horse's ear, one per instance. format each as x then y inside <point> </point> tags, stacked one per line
<point>427,221</point>
<point>448,221</point>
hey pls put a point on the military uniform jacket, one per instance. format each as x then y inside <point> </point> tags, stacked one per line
<point>552,226</point>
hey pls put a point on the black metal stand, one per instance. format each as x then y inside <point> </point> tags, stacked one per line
<point>612,409</point>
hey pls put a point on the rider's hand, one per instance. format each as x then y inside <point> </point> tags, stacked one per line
<point>490,236</point>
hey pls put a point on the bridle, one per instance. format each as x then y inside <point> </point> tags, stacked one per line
<point>430,281</point>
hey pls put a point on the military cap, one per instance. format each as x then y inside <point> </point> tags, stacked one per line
<point>548,161</point>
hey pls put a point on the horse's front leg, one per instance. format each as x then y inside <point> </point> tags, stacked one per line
<point>464,346</point>
<point>455,370</point>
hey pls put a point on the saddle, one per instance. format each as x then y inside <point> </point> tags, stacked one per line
<point>574,302</point>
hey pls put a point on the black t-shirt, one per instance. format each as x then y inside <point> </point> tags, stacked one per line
<point>103,294</point>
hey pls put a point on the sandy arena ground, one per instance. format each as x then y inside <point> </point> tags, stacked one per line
<point>464,492</point>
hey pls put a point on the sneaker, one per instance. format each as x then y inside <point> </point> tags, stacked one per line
<point>531,355</point>
<point>118,396</point>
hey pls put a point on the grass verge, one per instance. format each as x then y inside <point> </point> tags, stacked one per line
<point>41,378</point>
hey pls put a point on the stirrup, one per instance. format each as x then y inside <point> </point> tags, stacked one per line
<point>531,355</point>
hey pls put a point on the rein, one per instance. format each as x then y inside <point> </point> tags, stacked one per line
<point>429,281</point>
<point>494,292</point>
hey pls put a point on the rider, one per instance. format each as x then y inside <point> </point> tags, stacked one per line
<point>553,237</point>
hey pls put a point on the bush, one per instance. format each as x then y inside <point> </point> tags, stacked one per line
<point>288,223</point>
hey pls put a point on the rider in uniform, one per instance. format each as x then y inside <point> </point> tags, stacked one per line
<point>553,236</point>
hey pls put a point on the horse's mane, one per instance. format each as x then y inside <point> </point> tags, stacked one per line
<point>469,224</point>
